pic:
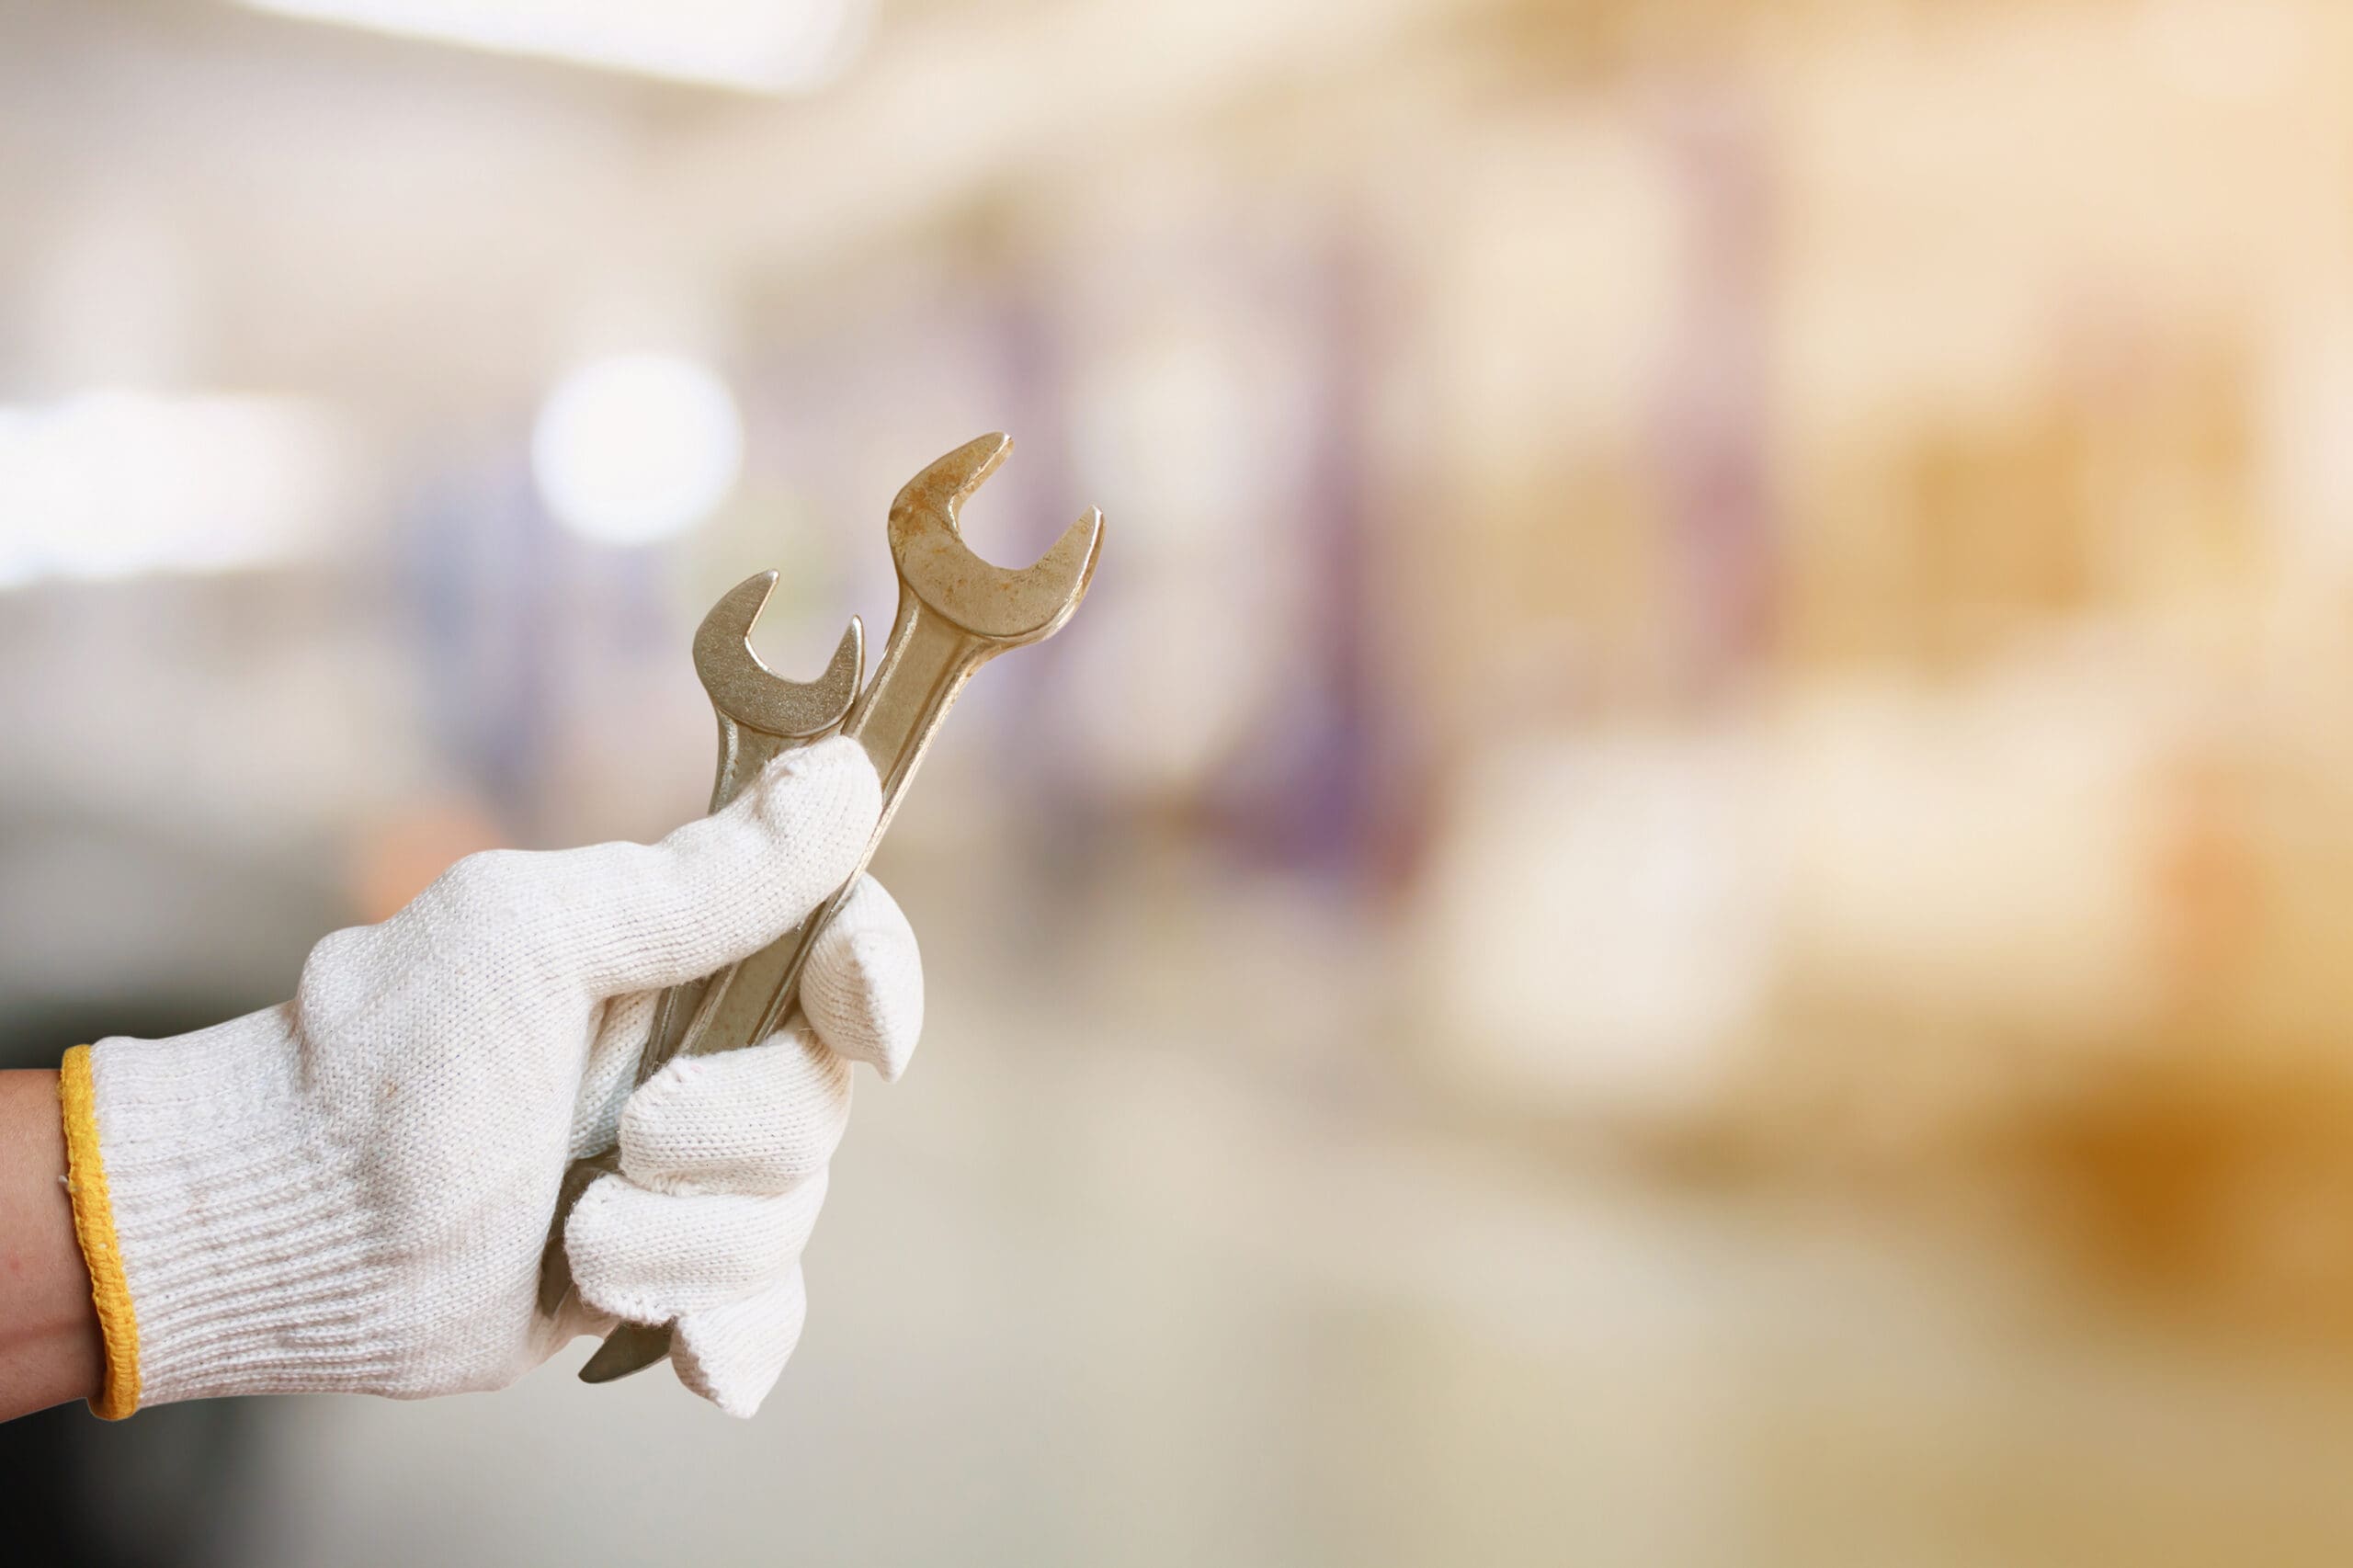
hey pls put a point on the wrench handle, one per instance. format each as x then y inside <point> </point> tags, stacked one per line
<point>744,753</point>
<point>924,668</point>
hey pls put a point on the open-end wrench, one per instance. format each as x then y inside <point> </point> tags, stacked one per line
<point>956,613</point>
<point>760,714</point>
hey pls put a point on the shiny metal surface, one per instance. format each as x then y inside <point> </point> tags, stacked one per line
<point>748,696</point>
<point>956,613</point>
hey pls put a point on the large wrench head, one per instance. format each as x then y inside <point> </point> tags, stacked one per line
<point>755,697</point>
<point>1011,607</point>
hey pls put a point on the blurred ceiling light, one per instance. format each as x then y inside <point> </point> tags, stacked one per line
<point>638,448</point>
<point>116,483</point>
<point>760,45</point>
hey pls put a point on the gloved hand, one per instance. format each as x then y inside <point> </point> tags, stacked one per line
<point>350,1192</point>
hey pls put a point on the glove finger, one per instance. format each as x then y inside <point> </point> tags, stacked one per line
<point>616,917</point>
<point>732,1355</point>
<point>573,1318</point>
<point>653,1257</point>
<point>611,1071</point>
<point>757,1120</point>
<point>863,988</point>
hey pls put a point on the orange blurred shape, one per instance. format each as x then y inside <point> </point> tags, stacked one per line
<point>397,857</point>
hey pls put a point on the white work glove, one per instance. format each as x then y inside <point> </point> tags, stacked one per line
<point>350,1192</point>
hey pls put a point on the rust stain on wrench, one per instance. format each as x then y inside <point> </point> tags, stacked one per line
<point>956,613</point>
<point>761,714</point>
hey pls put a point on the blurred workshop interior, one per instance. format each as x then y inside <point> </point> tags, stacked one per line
<point>1684,899</point>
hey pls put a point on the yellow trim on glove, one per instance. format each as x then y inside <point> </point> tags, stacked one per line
<point>85,1179</point>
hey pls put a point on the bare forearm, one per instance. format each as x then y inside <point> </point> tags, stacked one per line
<point>50,1345</point>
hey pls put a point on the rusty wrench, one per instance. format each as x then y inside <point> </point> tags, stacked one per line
<point>956,612</point>
<point>761,714</point>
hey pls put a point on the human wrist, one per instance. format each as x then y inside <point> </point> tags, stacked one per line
<point>49,1348</point>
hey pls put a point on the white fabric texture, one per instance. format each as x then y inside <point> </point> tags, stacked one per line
<point>350,1192</point>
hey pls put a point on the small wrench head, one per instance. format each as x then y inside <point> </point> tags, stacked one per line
<point>1011,607</point>
<point>755,697</point>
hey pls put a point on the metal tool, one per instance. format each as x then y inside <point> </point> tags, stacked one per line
<point>956,612</point>
<point>760,714</point>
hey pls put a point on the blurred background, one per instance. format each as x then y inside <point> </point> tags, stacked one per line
<point>1683,898</point>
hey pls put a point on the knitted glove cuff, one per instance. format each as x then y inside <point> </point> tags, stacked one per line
<point>240,1240</point>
